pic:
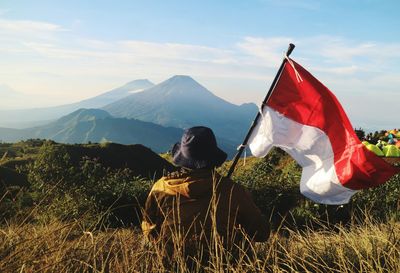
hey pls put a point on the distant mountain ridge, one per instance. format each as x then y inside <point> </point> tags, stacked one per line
<point>140,112</point>
<point>182,102</point>
<point>96,125</point>
<point>31,117</point>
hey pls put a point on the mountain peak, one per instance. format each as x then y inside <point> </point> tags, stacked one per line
<point>139,82</point>
<point>179,85</point>
<point>134,85</point>
<point>182,79</point>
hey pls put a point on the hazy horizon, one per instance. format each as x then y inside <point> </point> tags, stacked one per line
<point>56,52</point>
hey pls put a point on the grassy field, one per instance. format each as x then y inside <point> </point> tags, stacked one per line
<point>66,247</point>
<point>59,214</point>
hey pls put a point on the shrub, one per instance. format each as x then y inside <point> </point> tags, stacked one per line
<point>382,202</point>
<point>274,184</point>
<point>68,191</point>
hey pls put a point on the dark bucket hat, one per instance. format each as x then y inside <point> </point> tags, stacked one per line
<point>198,149</point>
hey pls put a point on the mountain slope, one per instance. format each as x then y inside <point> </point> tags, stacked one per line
<point>115,94</point>
<point>97,125</point>
<point>182,102</point>
<point>28,117</point>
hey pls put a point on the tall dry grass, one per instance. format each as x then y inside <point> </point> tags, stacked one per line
<point>68,246</point>
<point>60,247</point>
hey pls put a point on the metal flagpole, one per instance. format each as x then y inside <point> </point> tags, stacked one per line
<point>253,125</point>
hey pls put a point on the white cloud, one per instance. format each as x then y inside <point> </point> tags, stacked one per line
<point>14,32</point>
<point>365,52</point>
<point>133,52</point>
<point>175,51</point>
<point>266,51</point>
<point>326,53</point>
<point>27,26</point>
<point>240,73</point>
<point>55,51</point>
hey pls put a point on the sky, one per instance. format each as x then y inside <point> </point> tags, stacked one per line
<point>65,51</point>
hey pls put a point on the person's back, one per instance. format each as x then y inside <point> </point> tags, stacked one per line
<point>197,206</point>
<point>195,202</point>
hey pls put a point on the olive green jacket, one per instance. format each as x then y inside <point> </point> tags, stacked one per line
<point>195,203</point>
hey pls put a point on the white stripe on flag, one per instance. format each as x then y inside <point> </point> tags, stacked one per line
<point>310,147</point>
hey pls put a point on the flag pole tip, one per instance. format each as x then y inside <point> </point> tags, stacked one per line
<point>290,49</point>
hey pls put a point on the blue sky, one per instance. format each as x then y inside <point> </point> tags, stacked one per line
<point>64,51</point>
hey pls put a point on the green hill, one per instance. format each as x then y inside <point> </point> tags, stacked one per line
<point>139,159</point>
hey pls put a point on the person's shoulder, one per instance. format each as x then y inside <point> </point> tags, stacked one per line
<point>158,185</point>
<point>161,185</point>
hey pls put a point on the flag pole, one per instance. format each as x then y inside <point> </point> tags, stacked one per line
<point>253,125</point>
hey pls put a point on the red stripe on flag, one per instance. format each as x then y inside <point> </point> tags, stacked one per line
<point>309,102</point>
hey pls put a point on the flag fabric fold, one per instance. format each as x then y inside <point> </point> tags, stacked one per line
<point>305,119</point>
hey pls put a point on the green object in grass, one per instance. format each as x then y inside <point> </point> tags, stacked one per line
<point>373,148</point>
<point>391,151</point>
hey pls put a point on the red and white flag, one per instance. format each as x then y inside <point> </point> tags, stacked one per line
<point>305,119</point>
